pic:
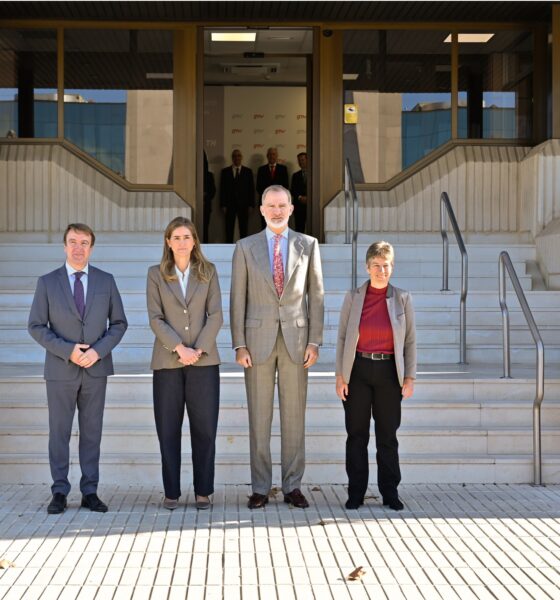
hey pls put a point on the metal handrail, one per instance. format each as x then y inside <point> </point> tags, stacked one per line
<point>504,262</point>
<point>350,190</point>
<point>447,209</point>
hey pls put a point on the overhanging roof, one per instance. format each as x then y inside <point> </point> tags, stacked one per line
<point>251,12</point>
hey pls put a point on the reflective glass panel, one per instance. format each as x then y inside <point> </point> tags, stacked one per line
<point>496,86</point>
<point>118,102</point>
<point>28,83</point>
<point>397,100</point>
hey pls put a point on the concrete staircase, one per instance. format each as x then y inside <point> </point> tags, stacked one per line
<point>464,424</point>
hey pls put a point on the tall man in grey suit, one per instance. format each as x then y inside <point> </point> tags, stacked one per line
<point>277,327</point>
<point>78,317</point>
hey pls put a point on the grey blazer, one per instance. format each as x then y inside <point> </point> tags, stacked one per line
<point>193,321</point>
<point>54,322</point>
<point>256,312</point>
<point>401,313</point>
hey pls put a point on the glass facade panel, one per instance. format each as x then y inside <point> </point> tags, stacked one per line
<point>28,85</point>
<point>397,90</point>
<point>118,101</point>
<point>496,86</point>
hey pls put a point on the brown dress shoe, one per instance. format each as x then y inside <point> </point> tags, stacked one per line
<point>257,501</point>
<point>296,499</point>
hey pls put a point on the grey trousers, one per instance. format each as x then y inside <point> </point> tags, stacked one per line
<point>88,395</point>
<point>292,392</point>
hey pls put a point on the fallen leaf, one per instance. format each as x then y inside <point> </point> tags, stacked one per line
<point>356,574</point>
<point>5,563</point>
<point>322,523</point>
<point>370,497</point>
<point>316,489</point>
<point>273,492</point>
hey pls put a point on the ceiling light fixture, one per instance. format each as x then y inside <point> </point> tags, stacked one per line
<point>350,76</point>
<point>471,38</point>
<point>234,36</point>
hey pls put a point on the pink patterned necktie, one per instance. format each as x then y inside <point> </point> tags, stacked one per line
<point>278,266</point>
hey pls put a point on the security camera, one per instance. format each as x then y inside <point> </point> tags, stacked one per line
<point>327,32</point>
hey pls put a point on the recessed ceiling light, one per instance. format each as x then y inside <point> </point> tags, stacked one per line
<point>234,36</point>
<point>350,76</point>
<point>159,75</point>
<point>471,38</point>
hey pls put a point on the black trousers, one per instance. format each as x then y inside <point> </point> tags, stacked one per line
<point>300,216</point>
<point>197,388</point>
<point>240,211</point>
<point>373,391</point>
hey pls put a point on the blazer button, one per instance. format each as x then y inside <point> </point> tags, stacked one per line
<point>186,328</point>
<point>184,312</point>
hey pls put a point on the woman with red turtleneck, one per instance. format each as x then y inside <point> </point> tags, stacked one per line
<point>375,370</point>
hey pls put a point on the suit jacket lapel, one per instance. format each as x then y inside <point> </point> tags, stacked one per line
<point>356,312</point>
<point>295,250</point>
<point>176,290</point>
<point>92,280</point>
<point>260,253</point>
<point>391,306</point>
<point>192,284</point>
<point>67,290</point>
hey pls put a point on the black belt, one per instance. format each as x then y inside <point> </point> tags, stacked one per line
<point>371,356</point>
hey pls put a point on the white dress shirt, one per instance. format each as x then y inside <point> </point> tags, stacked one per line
<point>270,235</point>
<point>183,278</point>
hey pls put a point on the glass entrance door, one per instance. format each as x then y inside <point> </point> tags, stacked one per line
<point>256,98</point>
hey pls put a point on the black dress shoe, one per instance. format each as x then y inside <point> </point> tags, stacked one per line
<point>395,504</point>
<point>296,498</point>
<point>352,504</point>
<point>257,501</point>
<point>92,502</point>
<point>57,505</point>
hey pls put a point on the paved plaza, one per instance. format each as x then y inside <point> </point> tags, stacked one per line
<point>450,542</point>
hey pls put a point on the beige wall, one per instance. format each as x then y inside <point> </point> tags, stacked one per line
<point>149,136</point>
<point>379,134</point>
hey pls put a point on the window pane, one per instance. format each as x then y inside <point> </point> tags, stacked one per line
<point>398,83</point>
<point>119,100</point>
<point>28,83</point>
<point>496,86</point>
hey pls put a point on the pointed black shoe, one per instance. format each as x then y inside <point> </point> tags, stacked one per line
<point>93,502</point>
<point>57,505</point>
<point>352,504</point>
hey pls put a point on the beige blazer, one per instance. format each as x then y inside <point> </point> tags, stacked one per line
<point>401,313</point>
<point>194,320</point>
<point>256,312</point>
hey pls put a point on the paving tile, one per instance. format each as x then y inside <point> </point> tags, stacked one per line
<point>452,542</point>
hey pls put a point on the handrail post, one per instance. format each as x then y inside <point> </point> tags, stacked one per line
<point>446,210</point>
<point>347,202</point>
<point>505,319</point>
<point>506,264</point>
<point>349,183</point>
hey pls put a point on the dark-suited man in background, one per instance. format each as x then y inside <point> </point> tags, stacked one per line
<point>237,195</point>
<point>273,173</point>
<point>276,306</point>
<point>78,317</point>
<point>299,192</point>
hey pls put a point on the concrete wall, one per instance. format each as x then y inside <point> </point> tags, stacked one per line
<point>483,186</point>
<point>44,187</point>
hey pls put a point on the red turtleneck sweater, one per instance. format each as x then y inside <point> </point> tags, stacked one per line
<point>376,333</point>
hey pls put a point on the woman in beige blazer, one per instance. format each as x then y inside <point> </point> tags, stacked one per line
<point>375,370</point>
<point>185,312</point>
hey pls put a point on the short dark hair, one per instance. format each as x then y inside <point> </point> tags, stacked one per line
<point>81,227</point>
<point>302,154</point>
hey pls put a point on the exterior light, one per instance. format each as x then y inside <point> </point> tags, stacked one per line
<point>471,38</point>
<point>234,36</point>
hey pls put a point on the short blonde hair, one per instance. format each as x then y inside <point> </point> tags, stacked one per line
<point>380,249</point>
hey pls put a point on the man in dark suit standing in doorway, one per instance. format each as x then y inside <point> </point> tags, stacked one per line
<point>272,173</point>
<point>78,317</point>
<point>237,195</point>
<point>298,190</point>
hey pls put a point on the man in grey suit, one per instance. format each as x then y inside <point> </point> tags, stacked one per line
<point>78,317</point>
<point>277,327</point>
